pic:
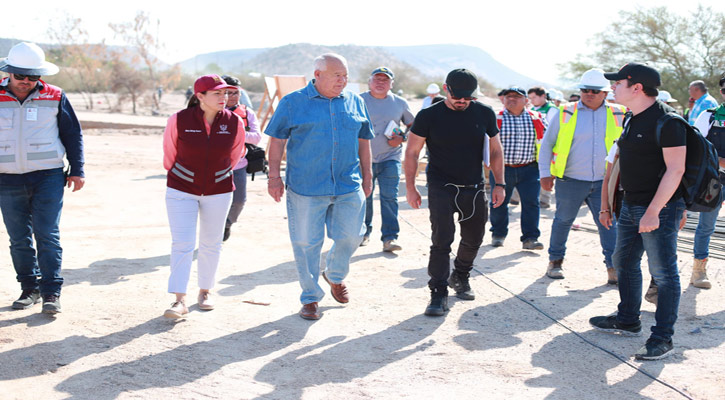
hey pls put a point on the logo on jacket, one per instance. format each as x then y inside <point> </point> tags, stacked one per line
<point>223,130</point>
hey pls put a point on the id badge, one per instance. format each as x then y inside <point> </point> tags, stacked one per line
<point>31,114</point>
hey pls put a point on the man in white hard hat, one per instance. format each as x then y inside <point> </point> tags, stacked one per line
<point>573,153</point>
<point>39,128</point>
<point>433,92</point>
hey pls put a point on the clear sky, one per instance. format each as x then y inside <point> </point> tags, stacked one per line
<point>530,37</point>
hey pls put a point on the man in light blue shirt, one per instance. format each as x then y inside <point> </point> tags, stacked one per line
<point>572,152</point>
<point>703,100</point>
<point>328,176</point>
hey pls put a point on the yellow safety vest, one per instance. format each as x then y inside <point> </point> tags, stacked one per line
<point>567,125</point>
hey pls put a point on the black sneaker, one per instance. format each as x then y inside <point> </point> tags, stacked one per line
<point>27,299</point>
<point>458,281</point>
<point>438,304</point>
<point>610,324</point>
<point>227,233</point>
<point>654,349</point>
<point>51,304</point>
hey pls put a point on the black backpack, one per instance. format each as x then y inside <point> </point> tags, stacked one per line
<point>700,182</point>
<point>256,159</point>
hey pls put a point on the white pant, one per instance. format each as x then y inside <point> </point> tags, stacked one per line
<point>183,210</point>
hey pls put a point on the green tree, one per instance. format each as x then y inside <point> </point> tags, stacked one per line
<point>682,48</point>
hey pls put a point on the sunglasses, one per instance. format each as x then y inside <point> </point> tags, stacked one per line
<point>592,91</point>
<point>722,90</point>
<point>31,78</point>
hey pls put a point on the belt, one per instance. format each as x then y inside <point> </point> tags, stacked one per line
<point>519,165</point>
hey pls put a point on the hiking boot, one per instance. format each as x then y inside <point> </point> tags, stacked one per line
<point>438,304</point>
<point>27,299</point>
<point>532,244</point>
<point>390,246</point>
<point>497,241</point>
<point>610,324</point>
<point>177,310</point>
<point>227,233</point>
<point>654,349</point>
<point>458,281</point>
<point>699,274</point>
<point>612,278</point>
<point>205,301</point>
<point>51,304</point>
<point>651,294</point>
<point>365,241</point>
<point>554,270</point>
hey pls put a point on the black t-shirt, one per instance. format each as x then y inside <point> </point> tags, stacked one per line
<point>455,141</point>
<point>641,162</point>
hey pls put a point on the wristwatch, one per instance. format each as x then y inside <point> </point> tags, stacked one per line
<point>503,185</point>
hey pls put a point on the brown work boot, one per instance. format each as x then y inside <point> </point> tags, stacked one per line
<point>699,274</point>
<point>338,290</point>
<point>554,270</point>
<point>612,276</point>
<point>310,311</point>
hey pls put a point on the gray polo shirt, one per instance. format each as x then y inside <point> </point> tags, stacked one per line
<point>586,161</point>
<point>382,111</point>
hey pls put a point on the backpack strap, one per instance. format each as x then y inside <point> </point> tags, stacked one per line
<point>663,120</point>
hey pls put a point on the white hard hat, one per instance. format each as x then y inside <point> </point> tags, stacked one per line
<point>665,97</point>
<point>27,59</point>
<point>433,89</point>
<point>556,94</point>
<point>594,79</point>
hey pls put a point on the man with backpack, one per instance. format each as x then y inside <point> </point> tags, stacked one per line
<point>650,173</point>
<point>711,123</point>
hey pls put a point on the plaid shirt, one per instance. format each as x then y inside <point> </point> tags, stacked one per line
<point>518,138</point>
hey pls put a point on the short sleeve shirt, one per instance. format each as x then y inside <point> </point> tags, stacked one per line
<point>382,111</point>
<point>455,141</point>
<point>642,164</point>
<point>322,140</point>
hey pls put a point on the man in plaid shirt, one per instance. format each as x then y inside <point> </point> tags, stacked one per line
<point>521,133</point>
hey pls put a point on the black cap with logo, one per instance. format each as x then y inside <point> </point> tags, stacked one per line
<point>636,73</point>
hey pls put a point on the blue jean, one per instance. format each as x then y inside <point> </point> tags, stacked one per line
<point>526,180</point>
<point>661,248</point>
<point>307,217</point>
<point>387,173</point>
<point>570,194</point>
<point>30,209</point>
<point>705,229</point>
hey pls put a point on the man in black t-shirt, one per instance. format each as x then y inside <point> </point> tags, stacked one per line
<point>461,134</point>
<point>650,174</point>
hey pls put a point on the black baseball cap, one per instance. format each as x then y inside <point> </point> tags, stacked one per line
<point>637,73</point>
<point>462,83</point>
<point>514,89</point>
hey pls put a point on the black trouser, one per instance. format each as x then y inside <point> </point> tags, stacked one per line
<point>443,204</point>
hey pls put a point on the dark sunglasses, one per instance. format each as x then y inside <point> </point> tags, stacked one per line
<point>592,91</point>
<point>463,98</point>
<point>31,78</point>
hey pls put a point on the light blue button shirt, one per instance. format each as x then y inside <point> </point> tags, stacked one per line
<point>588,151</point>
<point>322,140</point>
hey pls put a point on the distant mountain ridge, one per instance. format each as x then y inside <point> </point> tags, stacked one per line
<point>429,60</point>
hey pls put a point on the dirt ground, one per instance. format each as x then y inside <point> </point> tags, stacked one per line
<point>525,336</point>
